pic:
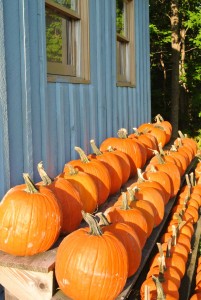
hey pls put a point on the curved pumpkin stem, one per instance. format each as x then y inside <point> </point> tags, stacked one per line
<point>30,186</point>
<point>43,175</point>
<point>103,220</point>
<point>181,135</point>
<point>95,148</point>
<point>82,155</point>
<point>174,234</point>
<point>159,288</point>
<point>192,178</point>
<point>161,270</point>
<point>125,205</point>
<point>162,153</point>
<point>92,223</point>
<point>161,254</point>
<point>131,193</point>
<point>140,176</point>
<point>122,133</point>
<point>136,131</point>
<point>169,246</point>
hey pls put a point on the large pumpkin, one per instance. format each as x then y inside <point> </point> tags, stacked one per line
<point>91,264</point>
<point>30,219</point>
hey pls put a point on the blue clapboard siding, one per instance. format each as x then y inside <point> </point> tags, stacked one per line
<point>43,121</point>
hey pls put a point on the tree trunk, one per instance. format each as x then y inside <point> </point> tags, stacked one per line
<point>175,89</point>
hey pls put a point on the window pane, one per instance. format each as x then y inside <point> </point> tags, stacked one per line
<point>121,17</point>
<point>71,4</point>
<point>53,37</point>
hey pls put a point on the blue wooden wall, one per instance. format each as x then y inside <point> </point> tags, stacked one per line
<point>44,121</point>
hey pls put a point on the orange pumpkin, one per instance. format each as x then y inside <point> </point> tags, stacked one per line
<point>112,163</point>
<point>30,219</point>
<point>132,216</point>
<point>129,239</point>
<point>68,198</point>
<point>135,150</point>
<point>85,186</point>
<point>144,206</point>
<point>91,264</point>
<point>97,170</point>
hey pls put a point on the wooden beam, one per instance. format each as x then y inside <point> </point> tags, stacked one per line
<point>27,285</point>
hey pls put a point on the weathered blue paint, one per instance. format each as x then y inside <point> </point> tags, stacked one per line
<point>42,121</point>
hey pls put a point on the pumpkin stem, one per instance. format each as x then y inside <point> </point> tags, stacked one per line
<point>181,134</point>
<point>95,148</point>
<point>122,133</point>
<point>174,235</point>
<point>173,148</point>
<point>30,186</point>
<point>161,254</point>
<point>153,169</point>
<point>169,246</point>
<point>43,175</point>
<point>159,288</point>
<point>161,270</point>
<point>72,171</point>
<point>136,132</point>
<point>131,193</point>
<point>140,176</point>
<point>92,223</point>
<point>188,181</point>
<point>82,155</point>
<point>192,178</point>
<point>110,149</point>
<point>162,153</point>
<point>103,219</point>
<point>161,118</point>
<point>125,205</point>
<point>159,157</point>
<point>179,142</point>
<point>146,292</point>
<point>157,119</point>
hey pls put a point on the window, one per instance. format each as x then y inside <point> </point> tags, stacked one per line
<point>125,42</point>
<point>67,40</point>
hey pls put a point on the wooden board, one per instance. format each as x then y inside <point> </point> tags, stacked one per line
<point>43,262</point>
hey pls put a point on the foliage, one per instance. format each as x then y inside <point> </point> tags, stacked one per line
<point>161,64</point>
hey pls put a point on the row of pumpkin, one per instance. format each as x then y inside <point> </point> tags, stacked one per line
<point>84,184</point>
<point>196,294</point>
<point>168,266</point>
<point>92,273</point>
<point>32,216</point>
